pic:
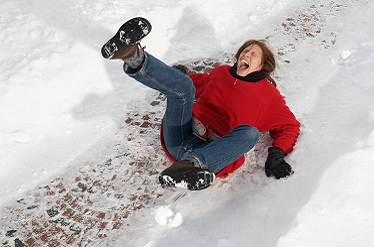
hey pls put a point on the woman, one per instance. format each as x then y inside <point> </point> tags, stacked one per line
<point>208,138</point>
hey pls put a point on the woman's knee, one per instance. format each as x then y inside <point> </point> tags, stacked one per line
<point>187,88</point>
<point>248,133</point>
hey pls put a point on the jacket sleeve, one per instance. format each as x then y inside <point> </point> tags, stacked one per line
<point>282,125</point>
<point>199,81</point>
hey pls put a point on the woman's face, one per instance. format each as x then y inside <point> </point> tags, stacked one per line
<point>250,60</point>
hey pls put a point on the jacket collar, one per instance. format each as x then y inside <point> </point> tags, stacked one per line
<point>252,77</point>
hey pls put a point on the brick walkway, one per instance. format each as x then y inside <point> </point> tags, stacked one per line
<point>91,202</point>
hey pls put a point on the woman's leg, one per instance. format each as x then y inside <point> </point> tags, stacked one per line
<point>220,153</point>
<point>180,92</point>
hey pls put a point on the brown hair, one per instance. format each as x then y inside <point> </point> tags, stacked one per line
<point>268,58</point>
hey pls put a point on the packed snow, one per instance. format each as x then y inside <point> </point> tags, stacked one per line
<point>59,98</point>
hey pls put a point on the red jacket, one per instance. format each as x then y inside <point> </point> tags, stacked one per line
<point>225,102</point>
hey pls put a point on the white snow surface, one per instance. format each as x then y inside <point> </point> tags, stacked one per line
<point>59,97</point>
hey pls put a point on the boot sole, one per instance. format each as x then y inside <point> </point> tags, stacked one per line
<point>128,34</point>
<point>191,180</point>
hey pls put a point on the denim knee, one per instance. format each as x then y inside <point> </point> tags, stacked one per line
<point>185,88</point>
<point>249,134</point>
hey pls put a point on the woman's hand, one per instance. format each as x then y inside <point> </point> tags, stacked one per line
<point>275,164</point>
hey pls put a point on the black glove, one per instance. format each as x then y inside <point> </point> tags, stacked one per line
<point>275,164</point>
<point>181,67</point>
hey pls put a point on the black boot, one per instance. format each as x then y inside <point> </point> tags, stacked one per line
<point>184,174</point>
<point>129,34</point>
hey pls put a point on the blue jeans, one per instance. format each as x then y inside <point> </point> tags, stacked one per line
<point>178,137</point>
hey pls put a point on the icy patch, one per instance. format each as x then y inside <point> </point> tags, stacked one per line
<point>164,215</point>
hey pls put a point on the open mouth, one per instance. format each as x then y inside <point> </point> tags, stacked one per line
<point>243,65</point>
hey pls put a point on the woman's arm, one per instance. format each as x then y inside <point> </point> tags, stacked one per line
<point>282,125</point>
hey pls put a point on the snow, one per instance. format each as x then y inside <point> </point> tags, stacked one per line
<point>59,98</point>
<point>164,215</point>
